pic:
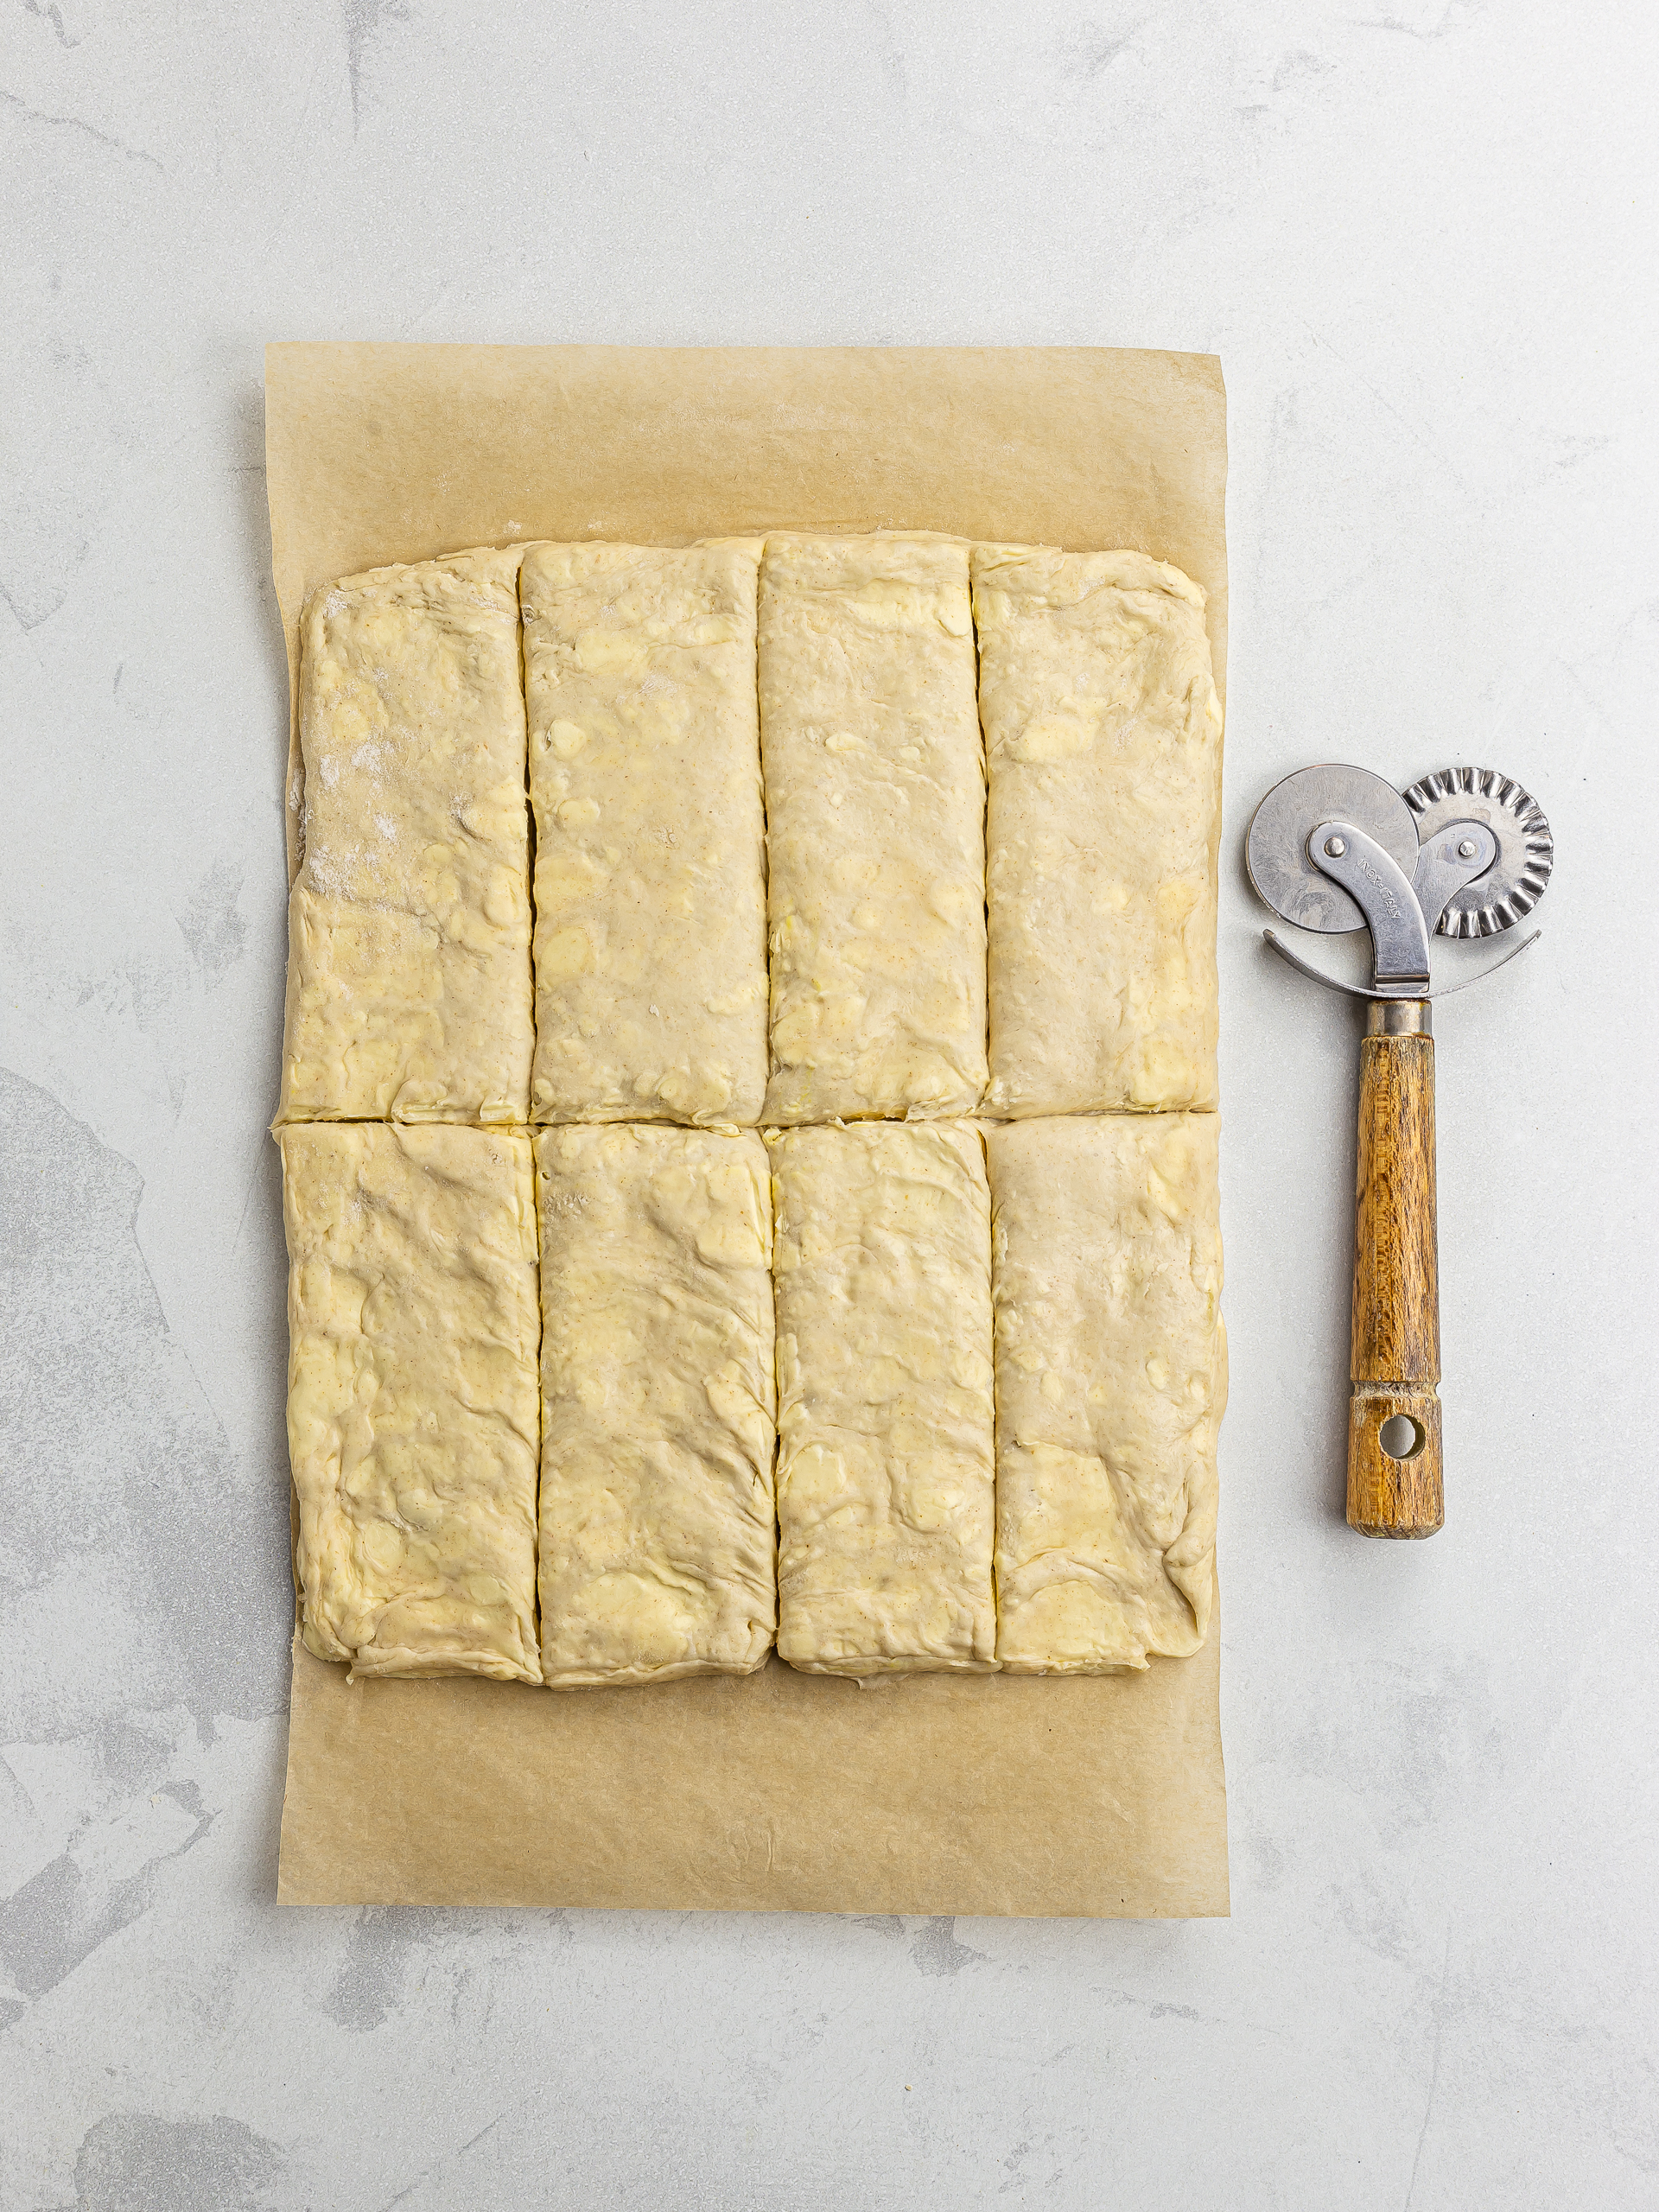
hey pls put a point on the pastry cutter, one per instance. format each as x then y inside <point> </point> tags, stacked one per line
<point>1466,852</point>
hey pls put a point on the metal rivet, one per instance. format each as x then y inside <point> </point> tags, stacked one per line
<point>1336,847</point>
<point>1467,849</point>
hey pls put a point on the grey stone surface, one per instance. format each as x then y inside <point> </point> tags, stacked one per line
<point>1419,234</point>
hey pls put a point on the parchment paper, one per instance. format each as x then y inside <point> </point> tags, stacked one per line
<point>777,1790</point>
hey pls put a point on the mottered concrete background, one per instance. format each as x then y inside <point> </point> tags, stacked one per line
<point>1419,233</point>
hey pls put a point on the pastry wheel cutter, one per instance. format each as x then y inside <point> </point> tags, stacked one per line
<point>1465,852</point>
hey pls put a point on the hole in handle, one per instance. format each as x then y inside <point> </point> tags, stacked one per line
<point>1401,1437</point>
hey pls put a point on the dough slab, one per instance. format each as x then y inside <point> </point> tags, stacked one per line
<point>644,774</point>
<point>412,1415</point>
<point>1111,1375</point>
<point>885,1465</point>
<point>409,921</point>
<point>1102,735</point>
<point>657,1543</point>
<point>874,827</point>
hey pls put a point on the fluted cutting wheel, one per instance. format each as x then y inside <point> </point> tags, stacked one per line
<point>1515,883</point>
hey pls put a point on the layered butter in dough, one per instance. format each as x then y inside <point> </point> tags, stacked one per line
<point>875,804</point>
<point>1103,739</point>
<point>885,1465</point>
<point>645,773</point>
<point>409,921</point>
<point>412,1417</point>
<point>1111,1375</point>
<point>657,1543</point>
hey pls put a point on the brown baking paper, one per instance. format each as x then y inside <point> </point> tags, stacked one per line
<point>774,1791</point>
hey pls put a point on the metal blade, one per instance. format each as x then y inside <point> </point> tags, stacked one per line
<point>1276,850</point>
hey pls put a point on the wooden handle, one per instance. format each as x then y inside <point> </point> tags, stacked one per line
<point>1394,1415</point>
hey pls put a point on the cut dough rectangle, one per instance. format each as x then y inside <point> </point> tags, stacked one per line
<point>1111,1376</point>
<point>1102,737</point>
<point>409,921</point>
<point>644,774</point>
<point>886,1463</point>
<point>876,802</point>
<point>412,1414</point>
<point>657,1546</point>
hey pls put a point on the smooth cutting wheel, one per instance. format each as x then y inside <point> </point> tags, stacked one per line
<point>1276,853</point>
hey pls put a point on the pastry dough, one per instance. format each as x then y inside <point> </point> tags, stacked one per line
<point>644,774</point>
<point>886,1461</point>
<point>412,1417</point>
<point>656,1545</point>
<point>409,921</point>
<point>1111,1375</point>
<point>876,806</point>
<point>1102,736</point>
